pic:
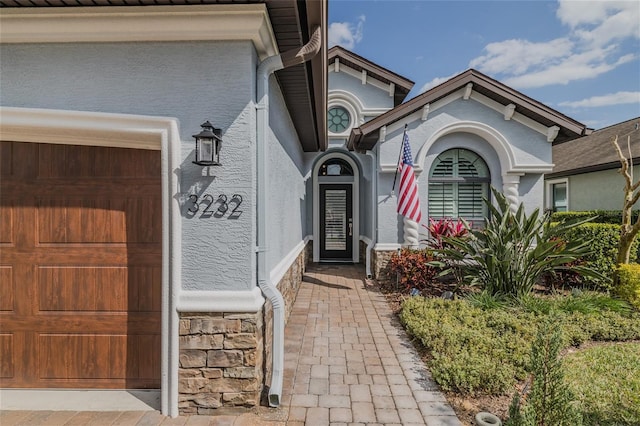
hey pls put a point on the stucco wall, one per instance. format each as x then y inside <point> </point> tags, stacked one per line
<point>529,147</point>
<point>369,95</point>
<point>192,81</point>
<point>602,190</point>
<point>287,197</point>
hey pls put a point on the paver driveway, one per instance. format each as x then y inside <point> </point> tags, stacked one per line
<point>347,362</point>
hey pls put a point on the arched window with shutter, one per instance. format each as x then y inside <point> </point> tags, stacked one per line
<point>458,181</point>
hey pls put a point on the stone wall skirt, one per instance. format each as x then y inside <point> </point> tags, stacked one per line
<point>225,358</point>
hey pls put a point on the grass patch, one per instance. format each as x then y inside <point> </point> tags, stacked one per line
<point>606,380</point>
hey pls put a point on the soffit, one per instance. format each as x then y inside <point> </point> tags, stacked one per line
<point>304,86</point>
<point>365,137</point>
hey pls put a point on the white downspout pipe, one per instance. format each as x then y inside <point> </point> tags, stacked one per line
<point>271,292</point>
<point>374,209</point>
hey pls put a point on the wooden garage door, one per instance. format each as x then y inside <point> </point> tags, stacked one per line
<point>80,266</point>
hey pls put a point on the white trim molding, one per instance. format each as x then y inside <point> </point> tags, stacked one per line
<point>387,247</point>
<point>132,131</point>
<point>278,272</point>
<point>220,301</point>
<point>140,23</point>
<point>548,189</point>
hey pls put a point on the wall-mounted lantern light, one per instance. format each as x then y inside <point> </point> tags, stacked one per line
<point>208,143</point>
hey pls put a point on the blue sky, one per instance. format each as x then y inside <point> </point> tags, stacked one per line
<point>581,58</point>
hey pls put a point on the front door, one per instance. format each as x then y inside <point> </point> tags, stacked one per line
<point>336,222</point>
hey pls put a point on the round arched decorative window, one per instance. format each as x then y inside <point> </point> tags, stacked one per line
<point>458,181</point>
<point>338,119</point>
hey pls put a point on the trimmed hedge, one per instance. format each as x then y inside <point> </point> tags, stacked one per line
<point>601,216</point>
<point>629,283</point>
<point>605,239</point>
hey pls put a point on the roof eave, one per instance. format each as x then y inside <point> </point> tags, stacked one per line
<point>366,136</point>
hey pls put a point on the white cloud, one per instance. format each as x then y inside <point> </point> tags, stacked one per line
<point>436,81</point>
<point>516,57</point>
<point>579,66</point>
<point>590,48</point>
<point>619,98</point>
<point>346,34</point>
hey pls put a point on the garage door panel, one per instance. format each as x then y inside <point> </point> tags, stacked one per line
<point>6,225</point>
<point>95,289</point>
<point>6,159</point>
<point>7,289</point>
<point>60,161</point>
<point>105,221</point>
<point>90,356</point>
<point>78,288</point>
<point>6,362</point>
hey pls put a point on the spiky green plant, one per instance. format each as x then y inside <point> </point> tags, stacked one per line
<point>550,402</point>
<point>514,249</point>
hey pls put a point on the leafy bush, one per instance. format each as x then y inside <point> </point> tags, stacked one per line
<point>512,252</point>
<point>628,284</point>
<point>600,216</point>
<point>414,268</point>
<point>485,351</point>
<point>604,249</point>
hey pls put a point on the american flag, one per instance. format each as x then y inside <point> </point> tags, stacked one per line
<point>408,200</point>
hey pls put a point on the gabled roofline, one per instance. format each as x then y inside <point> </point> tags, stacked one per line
<point>402,85</point>
<point>365,137</point>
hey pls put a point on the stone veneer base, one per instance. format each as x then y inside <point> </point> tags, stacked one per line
<point>225,358</point>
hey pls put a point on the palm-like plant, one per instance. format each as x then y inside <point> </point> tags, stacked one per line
<point>510,254</point>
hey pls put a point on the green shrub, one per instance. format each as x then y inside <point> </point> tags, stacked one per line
<point>413,268</point>
<point>601,216</point>
<point>604,249</point>
<point>514,250</point>
<point>628,286</point>
<point>548,402</point>
<point>485,351</point>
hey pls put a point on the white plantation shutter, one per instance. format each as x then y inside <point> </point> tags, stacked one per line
<point>458,181</point>
<point>441,203</point>
<point>335,219</point>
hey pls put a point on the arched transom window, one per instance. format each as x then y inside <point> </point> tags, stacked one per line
<point>458,181</point>
<point>335,167</point>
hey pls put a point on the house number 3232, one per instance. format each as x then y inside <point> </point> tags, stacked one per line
<point>216,207</point>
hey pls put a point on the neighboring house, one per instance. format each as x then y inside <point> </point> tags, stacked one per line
<point>123,263</point>
<point>585,172</point>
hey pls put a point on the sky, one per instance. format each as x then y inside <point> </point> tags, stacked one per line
<point>581,58</point>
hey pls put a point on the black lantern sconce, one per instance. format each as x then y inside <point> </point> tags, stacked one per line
<point>208,143</point>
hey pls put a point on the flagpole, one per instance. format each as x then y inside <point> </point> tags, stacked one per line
<point>399,157</point>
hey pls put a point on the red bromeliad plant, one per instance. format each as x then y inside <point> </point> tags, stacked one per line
<point>445,228</point>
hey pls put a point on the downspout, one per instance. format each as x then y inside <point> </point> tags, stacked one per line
<point>271,292</point>
<point>374,209</point>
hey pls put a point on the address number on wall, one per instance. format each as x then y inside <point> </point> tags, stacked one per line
<point>209,206</point>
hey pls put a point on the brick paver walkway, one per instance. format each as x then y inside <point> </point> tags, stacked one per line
<point>347,362</point>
